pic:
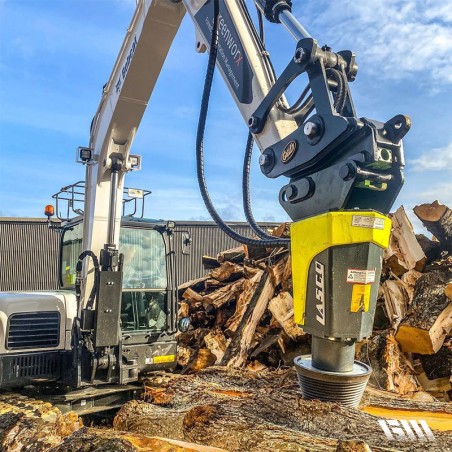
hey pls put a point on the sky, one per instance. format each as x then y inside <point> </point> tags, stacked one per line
<point>55,57</point>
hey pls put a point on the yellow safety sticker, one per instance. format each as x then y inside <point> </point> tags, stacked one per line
<point>164,359</point>
<point>360,297</point>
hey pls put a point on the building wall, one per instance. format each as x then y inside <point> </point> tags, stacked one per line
<point>29,251</point>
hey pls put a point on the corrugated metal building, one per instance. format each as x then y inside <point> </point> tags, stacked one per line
<point>28,255</point>
<point>29,251</point>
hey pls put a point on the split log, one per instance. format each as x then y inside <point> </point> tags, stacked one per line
<point>431,248</point>
<point>255,252</point>
<point>247,411</point>
<point>249,287</point>
<point>201,359</point>
<point>227,272</point>
<point>224,294</point>
<point>213,284</point>
<point>192,297</point>
<point>429,320</point>
<point>404,252</point>
<point>216,343</point>
<point>235,255</point>
<point>409,280</point>
<point>283,230</point>
<point>195,284</point>
<point>281,307</point>
<point>396,301</point>
<point>391,369</point>
<point>183,310</point>
<point>437,218</point>
<point>237,351</point>
<point>209,262</point>
<point>277,271</point>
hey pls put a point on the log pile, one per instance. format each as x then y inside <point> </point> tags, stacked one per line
<point>411,346</point>
<point>241,312</point>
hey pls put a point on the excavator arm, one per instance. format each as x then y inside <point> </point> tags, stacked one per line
<point>344,172</point>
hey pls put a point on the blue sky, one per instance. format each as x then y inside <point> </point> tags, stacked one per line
<point>55,56</point>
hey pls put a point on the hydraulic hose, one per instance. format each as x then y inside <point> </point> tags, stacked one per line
<point>78,281</point>
<point>246,193</point>
<point>200,147</point>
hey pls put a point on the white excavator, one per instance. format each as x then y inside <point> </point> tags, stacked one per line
<point>115,317</point>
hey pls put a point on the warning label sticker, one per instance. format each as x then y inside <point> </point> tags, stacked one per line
<point>356,276</point>
<point>360,298</point>
<point>363,221</point>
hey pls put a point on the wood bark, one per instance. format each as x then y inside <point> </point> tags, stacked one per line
<point>96,440</point>
<point>437,218</point>
<point>431,248</point>
<point>28,424</point>
<point>246,411</point>
<point>429,320</point>
<point>438,365</point>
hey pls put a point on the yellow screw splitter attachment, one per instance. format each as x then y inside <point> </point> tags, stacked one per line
<point>336,266</point>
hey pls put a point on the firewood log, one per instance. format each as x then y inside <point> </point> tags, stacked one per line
<point>281,307</point>
<point>227,272</point>
<point>195,284</point>
<point>277,271</point>
<point>404,252</point>
<point>209,262</point>
<point>235,255</point>
<point>429,320</point>
<point>224,294</point>
<point>191,296</point>
<point>249,287</point>
<point>237,352</point>
<point>216,343</point>
<point>431,248</point>
<point>437,218</point>
<point>391,369</point>
<point>396,301</point>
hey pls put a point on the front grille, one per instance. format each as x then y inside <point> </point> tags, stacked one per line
<point>35,366</point>
<point>33,330</point>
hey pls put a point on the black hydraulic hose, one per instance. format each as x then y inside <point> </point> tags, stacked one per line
<point>78,280</point>
<point>246,194</point>
<point>200,147</point>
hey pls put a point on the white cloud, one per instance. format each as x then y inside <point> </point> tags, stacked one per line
<point>439,159</point>
<point>400,40</point>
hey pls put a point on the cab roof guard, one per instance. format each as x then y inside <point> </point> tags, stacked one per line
<point>70,200</point>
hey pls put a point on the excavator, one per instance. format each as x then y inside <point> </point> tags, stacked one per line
<point>342,174</point>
